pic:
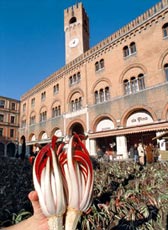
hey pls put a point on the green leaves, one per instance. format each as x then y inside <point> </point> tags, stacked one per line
<point>138,197</point>
<point>22,215</point>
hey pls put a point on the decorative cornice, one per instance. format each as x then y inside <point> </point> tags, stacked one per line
<point>141,22</point>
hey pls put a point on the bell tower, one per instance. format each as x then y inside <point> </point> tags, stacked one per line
<point>76,28</point>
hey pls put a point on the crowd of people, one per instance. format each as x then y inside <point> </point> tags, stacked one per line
<point>140,153</point>
<point>143,154</point>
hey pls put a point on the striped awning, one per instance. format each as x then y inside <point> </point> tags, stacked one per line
<point>131,130</point>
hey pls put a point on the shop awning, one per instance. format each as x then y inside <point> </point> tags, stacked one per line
<point>131,130</point>
<point>161,136</point>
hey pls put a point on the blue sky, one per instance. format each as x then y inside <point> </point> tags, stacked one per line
<point>32,36</point>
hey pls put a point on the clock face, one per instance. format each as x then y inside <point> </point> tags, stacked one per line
<point>74,42</point>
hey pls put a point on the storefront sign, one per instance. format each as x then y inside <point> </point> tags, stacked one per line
<point>105,125</point>
<point>140,118</point>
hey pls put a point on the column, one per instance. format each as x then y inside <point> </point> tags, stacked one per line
<point>91,146</point>
<point>121,142</point>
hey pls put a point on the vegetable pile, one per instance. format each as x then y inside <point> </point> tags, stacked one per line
<point>125,195</point>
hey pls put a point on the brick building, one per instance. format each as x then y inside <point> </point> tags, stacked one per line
<point>115,92</point>
<point>9,126</point>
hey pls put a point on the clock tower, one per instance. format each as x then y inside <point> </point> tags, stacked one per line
<point>76,27</point>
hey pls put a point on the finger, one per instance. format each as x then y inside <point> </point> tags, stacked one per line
<point>33,196</point>
<point>35,202</point>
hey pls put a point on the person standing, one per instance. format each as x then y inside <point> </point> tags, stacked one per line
<point>141,153</point>
<point>149,153</point>
<point>136,156</point>
<point>156,153</point>
<point>131,152</point>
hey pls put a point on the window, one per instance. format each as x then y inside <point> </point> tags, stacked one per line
<point>13,106</point>
<point>99,65</point>
<point>2,104</point>
<point>126,51</point>
<point>96,66</point>
<point>102,95</point>
<point>70,80</point>
<point>133,48</point>
<point>23,123</point>
<point>166,71</point>
<point>1,117</point>
<point>1,132</point>
<point>76,104</point>
<point>32,120</point>
<point>96,97</point>
<point>75,79</point>
<point>11,132</point>
<point>43,96</point>
<point>129,50</point>
<point>56,89</point>
<point>165,30</point>
<point>56,111</point>
<point>107,94</point>
<point>43,116</point>
<point>72,20</point>
<point>24,107</point>
<point>33,102</point>
<point>134,85</point>
<point>141,82</point>
<point>12,119</point>
<point>127,87</point>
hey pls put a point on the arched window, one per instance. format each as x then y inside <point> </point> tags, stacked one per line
<point>56,111</point>
<point>70,80</point>
<point>126,51</point>
<point>43,116</point>
<point>72,106</point>
<point>76,104</point>
<point>32,120</point>
<point>165,30</point>
<point>127,89</point>
<point>43,96</point>
<point>96,66</point>
<point>166,71</point>
<point>96,97</point>
<point>72,20</point>
<point>101,93</point>
<point>133,47</point>
<point>56,88</point>
<point>134,85</point>
<point>107,94</point>
<point>23,123</point>
<point>101,63</point>
<point>141,82</point>
<point>78,76</point>
<point>74,79</point>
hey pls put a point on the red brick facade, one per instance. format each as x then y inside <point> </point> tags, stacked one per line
<point>115,92</point>
<point>9,124</point>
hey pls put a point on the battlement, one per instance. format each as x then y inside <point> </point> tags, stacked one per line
<point>149,15</point>
<point>78,7</point>
<point>72,8</point>
<point>132,25</point>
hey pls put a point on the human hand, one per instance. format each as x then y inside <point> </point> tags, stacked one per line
<point>38,221</point>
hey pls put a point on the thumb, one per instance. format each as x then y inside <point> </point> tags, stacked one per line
<point>33,197</point>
